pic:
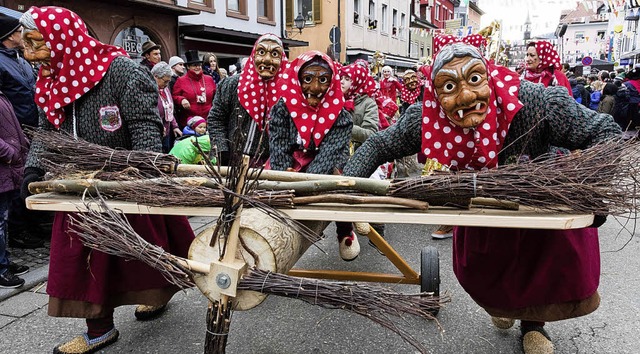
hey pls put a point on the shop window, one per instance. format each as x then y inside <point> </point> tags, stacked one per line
<point>266,12</point>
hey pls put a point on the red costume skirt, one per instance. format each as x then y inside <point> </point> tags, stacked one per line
<point>87,283</point>
<point>514,269</point>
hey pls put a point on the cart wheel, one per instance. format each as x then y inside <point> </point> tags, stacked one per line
<point>430,273</point>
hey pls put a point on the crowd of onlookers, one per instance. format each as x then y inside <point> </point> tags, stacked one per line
<point>614,93</point>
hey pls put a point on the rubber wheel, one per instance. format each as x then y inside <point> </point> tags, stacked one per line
<point>430,273</point>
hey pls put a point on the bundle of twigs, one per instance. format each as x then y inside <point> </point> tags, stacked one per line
<point>63,153</point>
<point>159,192</point>
<point>600,180</point>
<point>108,231</point>
<point>378,304</point>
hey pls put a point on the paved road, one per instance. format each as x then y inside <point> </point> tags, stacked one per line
<point>289,326</point>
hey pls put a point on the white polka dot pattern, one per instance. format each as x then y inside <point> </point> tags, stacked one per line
<point>462,148</point>
<point>322,117</point>
<point>68,34</point>
<point>264,93</point>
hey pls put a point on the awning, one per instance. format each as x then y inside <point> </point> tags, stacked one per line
<point>233,37</point>
<point>631,54</point>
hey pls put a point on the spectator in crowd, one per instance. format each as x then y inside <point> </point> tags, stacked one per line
<point>177,69</point>
<point>410,90</point>
<point>13,153</point>
<point>504,270</point>
<point>604,76</point>
<point>210,66</point>
<point>17,82</point>
<point>196,126</point>
<point>223,74</point>
<point>389,85</point>
<point>194,91</point>
<point>150,54</point>
<point>578,91</point>
<point>244,102</point>
<point>566,70</point>
<point>116,107</point>
<point>543,65</point>
<point>319,145</point>
<point>608,98</point>
<point>162,74</point>
<point>232,70</point>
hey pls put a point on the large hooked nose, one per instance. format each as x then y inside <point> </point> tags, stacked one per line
<point>466,96</point>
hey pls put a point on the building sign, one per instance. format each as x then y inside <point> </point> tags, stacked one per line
<point>131,39</point>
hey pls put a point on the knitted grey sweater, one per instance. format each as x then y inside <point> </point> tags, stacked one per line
<point>120,112</point>
<point>549,117</point>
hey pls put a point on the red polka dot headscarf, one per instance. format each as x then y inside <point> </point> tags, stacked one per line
<point>362,82</point>
<point>311,122</point>
<point>475,40</point>
<point>469,148</point>
<point>548,56</point>
<point>407,95</point>
<point>78,61</point>
<point>256,95</point>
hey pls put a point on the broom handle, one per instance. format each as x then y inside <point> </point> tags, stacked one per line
<point>232,241</point>
<point>198,267</point>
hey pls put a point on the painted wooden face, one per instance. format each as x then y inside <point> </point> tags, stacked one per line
<point>462,88</point>
<point>410,80</point>
<point>36,51</point>
<point>267,58</point>
<point>315,81</point>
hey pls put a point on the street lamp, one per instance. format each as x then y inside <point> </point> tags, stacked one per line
<point>299,22</point>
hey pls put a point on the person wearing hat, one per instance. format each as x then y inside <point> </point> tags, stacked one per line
<point>176,64</point>
<point>18,85</point>
<point>194,91</point>
<point>151,54</point>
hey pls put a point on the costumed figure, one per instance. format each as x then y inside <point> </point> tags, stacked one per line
<point>310,129</point>
<point>543,65</point>
<point>476,115</point>
<point>244,101</point>
<point>95,92</point>
<point>193,92</point>
<point>357,88</point>
<point>410,91</point>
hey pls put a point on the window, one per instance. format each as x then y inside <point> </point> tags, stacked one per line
<point>373,23</point>
<point>265,12</point>
<point>437,11</point>
<point>356,12</point>
<point>579,35</point>
<point>394,22</point>
<point>206,5</point>
<point>403,24</point>
<point>600,34</point>
<point>237,9</point>
<point>383,18</point>
<point>311,10</point>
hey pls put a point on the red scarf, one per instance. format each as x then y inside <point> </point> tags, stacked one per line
<point>258,96</point>
<point>464,148</point>
<point>362,83</point>
<point>409,96</point>
<point>78,61</point>
<point>549,60</point>
<point>312,123</point>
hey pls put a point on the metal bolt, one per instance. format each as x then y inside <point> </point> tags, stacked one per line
<point>223,280</point>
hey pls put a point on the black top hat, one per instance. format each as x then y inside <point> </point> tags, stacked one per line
<point>8,25</point>
<point>149,46</point>
<point>192,57</point>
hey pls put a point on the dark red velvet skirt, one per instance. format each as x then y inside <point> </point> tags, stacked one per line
<point>517,268</point>
<point>82,274</point>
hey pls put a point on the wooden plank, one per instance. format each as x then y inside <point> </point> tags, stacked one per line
<point>523,218</point>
